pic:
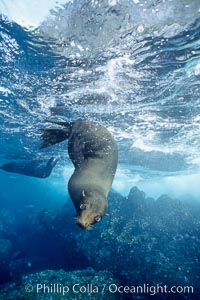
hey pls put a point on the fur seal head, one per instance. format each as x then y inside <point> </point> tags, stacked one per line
<point>92,209</point>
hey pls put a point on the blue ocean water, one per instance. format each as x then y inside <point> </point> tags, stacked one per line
<point>133,66</point>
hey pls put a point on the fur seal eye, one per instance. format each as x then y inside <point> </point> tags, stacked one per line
<point>97,218</point>
<point>82,206</point>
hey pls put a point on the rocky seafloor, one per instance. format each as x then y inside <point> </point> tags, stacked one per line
<point>51,284</point>
<point>143,241</point>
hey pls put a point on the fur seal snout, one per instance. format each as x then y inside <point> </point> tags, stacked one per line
<point>92,209</point>
<point>94,154</point>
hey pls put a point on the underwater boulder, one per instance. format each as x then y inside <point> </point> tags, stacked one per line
<point>137,200</point>
<point>49,284</point>
<point>136,195</point>
<point>146,240</point>
<point>142,240</point>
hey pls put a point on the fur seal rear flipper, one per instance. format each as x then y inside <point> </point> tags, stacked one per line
<point>93,152</point>
<point>52,136</point>
<point>34,168</point>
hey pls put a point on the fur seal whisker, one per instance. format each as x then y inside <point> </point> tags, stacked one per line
<point>90,227</point>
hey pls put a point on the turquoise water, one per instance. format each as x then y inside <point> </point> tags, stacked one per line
<point>133,66</point>
<point>139,77</point>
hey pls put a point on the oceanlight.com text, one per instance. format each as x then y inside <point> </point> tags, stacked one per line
<point>150,289</point>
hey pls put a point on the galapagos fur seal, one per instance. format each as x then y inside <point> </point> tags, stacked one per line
<point>94,154</point>
<point>33,168</point>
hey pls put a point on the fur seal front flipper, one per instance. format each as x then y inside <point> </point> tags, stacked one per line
<point>93,152</point>
<point>34,168</point>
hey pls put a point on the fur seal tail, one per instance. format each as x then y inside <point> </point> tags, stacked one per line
<point>52,136</point>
